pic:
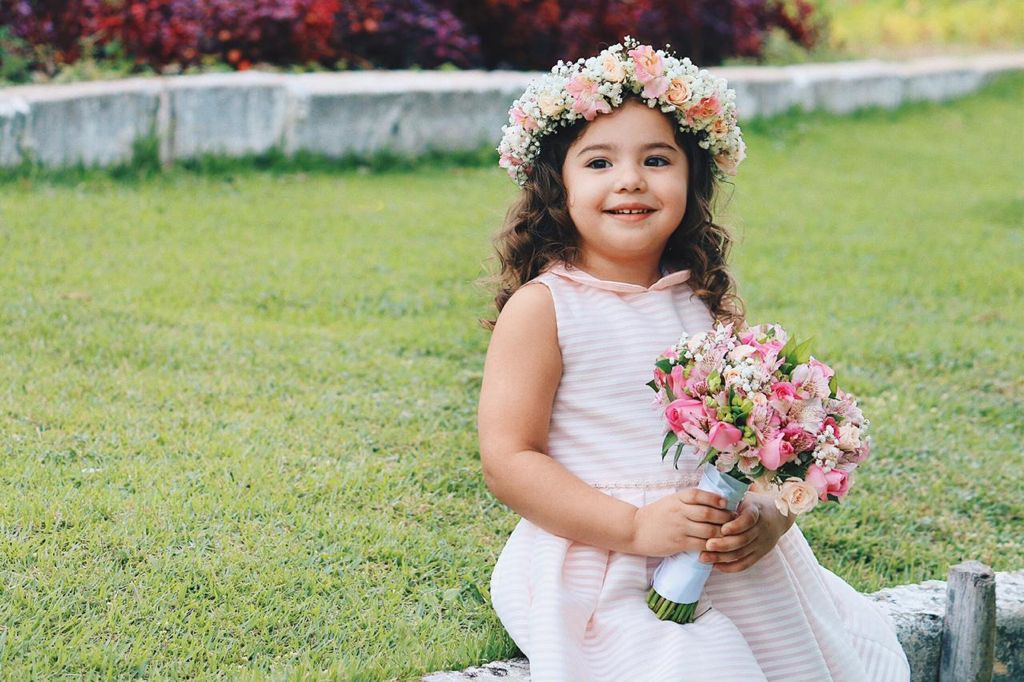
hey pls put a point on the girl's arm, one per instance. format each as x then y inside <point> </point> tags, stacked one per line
<point>521,374</point>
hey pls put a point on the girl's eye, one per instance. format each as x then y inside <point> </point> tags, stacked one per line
<point>663,162</point>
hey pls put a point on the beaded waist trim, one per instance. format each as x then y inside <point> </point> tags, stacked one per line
<point>683,481</point>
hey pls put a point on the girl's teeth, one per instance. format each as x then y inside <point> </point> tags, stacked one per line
<point>632,212</point>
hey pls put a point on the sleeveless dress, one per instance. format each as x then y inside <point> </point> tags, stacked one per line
<point>579,613</point>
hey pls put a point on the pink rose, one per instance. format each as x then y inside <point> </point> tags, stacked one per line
<point>586,99</point>
<point>834,482</point>
<point>783,390</point>
<point>776,452</point>
<point>723,436</point>
<point>680,412</point>
<point>524,119</point>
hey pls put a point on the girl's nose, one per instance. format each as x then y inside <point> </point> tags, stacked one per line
<point>629,178</point>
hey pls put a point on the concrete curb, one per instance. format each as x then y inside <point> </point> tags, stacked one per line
<point>916,610</point>
<point>407,112</point>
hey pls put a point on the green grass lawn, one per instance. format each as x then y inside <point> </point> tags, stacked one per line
<point>237,408</point>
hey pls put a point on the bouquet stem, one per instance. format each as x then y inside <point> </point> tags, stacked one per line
<point>669,610</point>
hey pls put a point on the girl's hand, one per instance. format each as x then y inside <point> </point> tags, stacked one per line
<point>749,537</point>
<point>679,523</point>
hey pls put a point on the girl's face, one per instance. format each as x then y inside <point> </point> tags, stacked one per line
<point>628,159</point>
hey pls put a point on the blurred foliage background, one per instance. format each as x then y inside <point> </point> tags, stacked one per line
<point>62,40</point>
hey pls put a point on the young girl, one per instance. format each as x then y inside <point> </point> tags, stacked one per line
<point>608,255</point>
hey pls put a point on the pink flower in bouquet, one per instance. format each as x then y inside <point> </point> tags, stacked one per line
<point>834,482</point>
<point>724,436</point>
<point>682,411</point>
<point>586,99</point>
<point>800,440</point>
<point>769,350</point>
<point>783,390</point>
<point>676,381</point>
<point>776,452</point>
<point>808,414</point>
<point>857,456</point>
<point>810,382</point>
<point>830,427</point>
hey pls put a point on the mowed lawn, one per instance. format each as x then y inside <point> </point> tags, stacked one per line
<point>237,409</point>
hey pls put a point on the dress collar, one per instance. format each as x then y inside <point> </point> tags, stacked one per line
<point>577,275</point>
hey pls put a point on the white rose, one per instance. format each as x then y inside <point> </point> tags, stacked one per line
<point>849,437</point>
<point>550,105</point>
<point>613,69</point>
<point>796,497</point>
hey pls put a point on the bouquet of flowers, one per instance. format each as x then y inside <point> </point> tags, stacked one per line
<point>760,410</point>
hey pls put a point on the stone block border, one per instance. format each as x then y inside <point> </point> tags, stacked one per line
<point>917,611</point>
<point>404,112</point>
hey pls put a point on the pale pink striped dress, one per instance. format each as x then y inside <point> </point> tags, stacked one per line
<point>578,612</point>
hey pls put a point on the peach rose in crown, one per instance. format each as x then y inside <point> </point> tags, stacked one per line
<point>796,497</point>
<point>720,128</point>
<point>678,92</point>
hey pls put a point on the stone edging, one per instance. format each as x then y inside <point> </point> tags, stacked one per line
<point>360,113</point>
<point>916,610</point>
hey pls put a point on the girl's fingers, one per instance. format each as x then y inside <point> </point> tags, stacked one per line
<point>704,530</point>
<point>748,518</point>
<point>728,557</point>
<point>703,514</point>
<point>745,558</point>
<point>732,543</point>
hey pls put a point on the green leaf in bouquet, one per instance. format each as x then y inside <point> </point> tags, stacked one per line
<point>665,365</point>
<point>669,394</point>
<point>679,451</point>
<point>654,385</point>
<point>710,456</point>
<point>788,348</point>
<point>833,498</point>
<point>833,386</point>
<point>803,351</point>
<point>670,440</point>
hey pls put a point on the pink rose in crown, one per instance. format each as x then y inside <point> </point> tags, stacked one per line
<point>524,119</point>
<point>650,70</point>
<point>586,99</point>
<point>833,482</point>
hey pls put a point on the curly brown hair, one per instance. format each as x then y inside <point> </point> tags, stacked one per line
<point>538,230</point>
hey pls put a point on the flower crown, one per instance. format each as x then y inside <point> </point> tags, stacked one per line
<point>702,104</point>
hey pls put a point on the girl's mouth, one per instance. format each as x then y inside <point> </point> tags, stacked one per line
<point>631,216</point>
